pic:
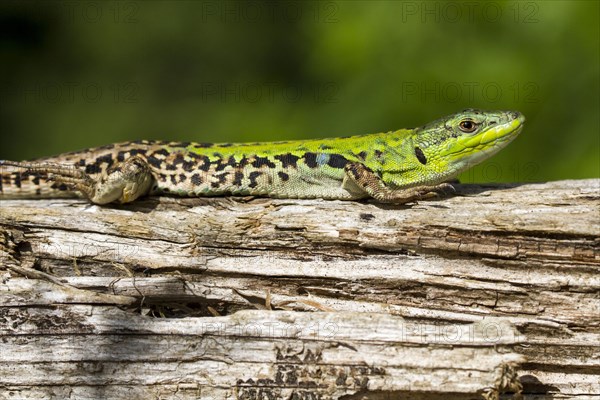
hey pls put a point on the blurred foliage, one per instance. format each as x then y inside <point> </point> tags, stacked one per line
<point>81,74</point>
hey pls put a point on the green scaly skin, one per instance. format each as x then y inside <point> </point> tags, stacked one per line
<point>400,166</point>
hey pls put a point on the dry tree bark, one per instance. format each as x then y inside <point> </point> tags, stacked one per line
<point>488,291</point>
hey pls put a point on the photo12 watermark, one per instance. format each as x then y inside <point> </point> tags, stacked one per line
<point>273,329</point>
<point>71,92</point>
<point>494,172</point>
<point>71,12</point>
<point>108,251</point>
<point>95,12</point>
<point>267,92</point>
<point>487,332</point>
<point>454,92</point>
<point>522,12</point>
<point>492,331</point>
<point>287,11</point>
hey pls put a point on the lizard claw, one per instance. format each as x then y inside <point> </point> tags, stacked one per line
<point>440,190</point>
<point>446,188</point>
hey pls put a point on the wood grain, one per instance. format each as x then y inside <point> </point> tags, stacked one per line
<point>441,299</point>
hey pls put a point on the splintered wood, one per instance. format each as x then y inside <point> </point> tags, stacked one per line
<point>494,290</point>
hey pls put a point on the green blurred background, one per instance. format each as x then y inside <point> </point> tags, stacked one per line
<point>81,74</point>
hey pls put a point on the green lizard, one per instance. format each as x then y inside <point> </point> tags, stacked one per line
<point>400,166</point>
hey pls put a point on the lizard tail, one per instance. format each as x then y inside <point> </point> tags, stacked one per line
<point>19,183</point>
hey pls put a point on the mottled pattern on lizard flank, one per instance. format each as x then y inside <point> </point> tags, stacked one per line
<point>399,166</point>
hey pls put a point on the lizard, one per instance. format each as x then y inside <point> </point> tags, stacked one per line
<point>399,166</point>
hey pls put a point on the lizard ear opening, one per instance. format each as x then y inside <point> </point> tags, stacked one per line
<point>420,156</point>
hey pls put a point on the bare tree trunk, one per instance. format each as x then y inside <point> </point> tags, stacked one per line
<point>491,290</point>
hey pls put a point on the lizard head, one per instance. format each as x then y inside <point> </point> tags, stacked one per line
<point>459,141</point>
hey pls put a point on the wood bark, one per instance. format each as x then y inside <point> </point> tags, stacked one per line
<point>493,290</point>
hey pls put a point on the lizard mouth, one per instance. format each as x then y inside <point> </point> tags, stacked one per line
<point>502,133</point>
<point>494,136</point>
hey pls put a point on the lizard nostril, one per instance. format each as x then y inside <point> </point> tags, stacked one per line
<point>514,114</point>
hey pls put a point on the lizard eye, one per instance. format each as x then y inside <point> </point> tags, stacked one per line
<point>467,125</point>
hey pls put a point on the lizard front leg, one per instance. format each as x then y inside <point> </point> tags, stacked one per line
<point>372,184</point>
<point>123,182</point>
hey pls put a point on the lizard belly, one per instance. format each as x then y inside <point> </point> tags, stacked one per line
<point>298,182</point>
<point>308,182</point>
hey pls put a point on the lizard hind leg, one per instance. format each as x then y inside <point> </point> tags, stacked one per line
<point>372,184</point>
<point>123,182</point>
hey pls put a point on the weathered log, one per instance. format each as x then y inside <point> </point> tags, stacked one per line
<point>462,297</point>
